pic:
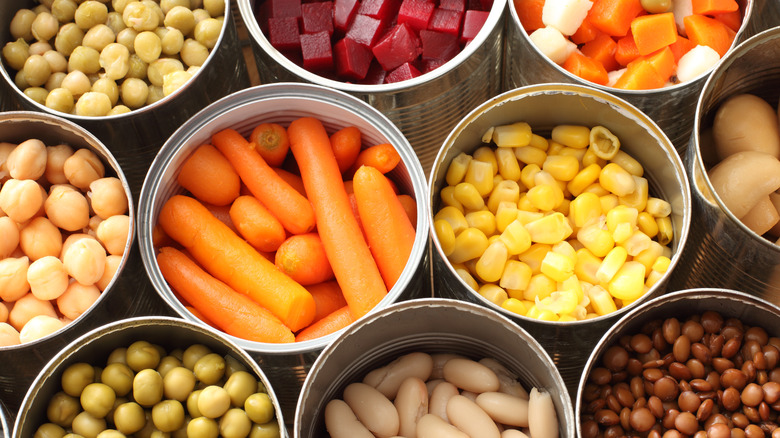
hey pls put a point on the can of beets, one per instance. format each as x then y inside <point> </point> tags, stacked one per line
<point>424,107</point>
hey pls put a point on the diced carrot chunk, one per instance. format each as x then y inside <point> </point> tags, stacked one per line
<point>586,68</point>
<point>653,32</point>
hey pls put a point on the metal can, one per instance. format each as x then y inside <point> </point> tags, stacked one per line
<point>746,308</point>
<point>722,251</point>
<point>543,106</point>
<point>95,347</point>
<point>424,108</point>
<point>433,325</point>
<point>670,107</point>
<point>285,364</point>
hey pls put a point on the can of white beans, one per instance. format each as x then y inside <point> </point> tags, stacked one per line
<point>171,338</point>
<point>543,107</point>
<point>723,251</point>
<point>426,107</point>
<point>671,107</point>
<point>431,326</point>
<point>286,364</point>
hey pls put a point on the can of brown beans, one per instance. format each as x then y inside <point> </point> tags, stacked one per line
<point>693,362</point>
<point>725,250</point>
<point>441,328</point>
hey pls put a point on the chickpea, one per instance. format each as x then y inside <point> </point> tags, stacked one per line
<point>40,238</point>
<point>99,37</point>
<point>119,109</point>
<point>174,81</point>
<point>21,24</point>
<point>28,307</point>
<point>15,53</point>
<point>72,238</point>
<point>47,278</point>
<point>137,68</point>
<point>39,48</point>
<point>64,10</point>
<point>147,46</point>
<point>60,99</point>
<point>90,13</point>
<point>193,52</point>
<point>8,335</point>
<point>5,151</point>
<point>129,418</point>
<point>36,70</point>
<point>20,81</point>
<point>171,40</point>
<point>113,233</point>
<point>39,327</point>
<point>155,94</point>
<point>161,67</point>
<point>140,16</point>
<point>36,94</point>
<point>108,87</point>
<point>68,38</point>
<point>85,59</point>
<point>214,7</point>
<point>77,83</point>
<point>119,5</point>
<point>44,27</point>
<point>207,32</point>
<point>10,232</point>
<point>115,22</point>
<point>77,299</point>
<point>112,266</point>
<point>134,92</point>
<point>200,14</point>
<point>27,160</point>
<point>107,197</point>
<point>13,280</point>
<point>55,80</point>
<point>56,156</point>
<point>115,60</point>
<point>181,18</point>
<point>85,261</point>
<point>67,208</point>
<point>20,199</point>
<point>83,167</point>
<point>56,60</point>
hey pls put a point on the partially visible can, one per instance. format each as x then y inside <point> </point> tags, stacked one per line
<point>670,107</point>
<point>544,106</point>
<point>432,325</point>
<point>285,364</point>
<point>4,429</point>
<point>722,251</point>
<point>424,108</point>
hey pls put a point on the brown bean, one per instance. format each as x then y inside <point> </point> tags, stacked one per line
<point>613,403</point>
<point>688,401</point>
<point>771,392</point>
<point>679,371</point>
<point>671,330</point>
<point>625,418</point>
<point>772,356</point>
<point>681,348</point>
<point>701,352</point>
<point>600,376</point>
<point>637,387</point>
<point>715,344</point>
<point>641,343</point>
<point>655,405</point>
<point>614,432</point>
<point>623,394</point>
<point>590,429</point>
<point>700,385</point>
<point>705,410</point>
<point>740,420</point>
<point>652,374</point>
<point>751,413</point>
<point>697,368</point>
<point>606,417</point>
<point>753,431</point>
<point>757,334</point>
<point>686,423</point>
<point>668,419</point>
<point>634,367</point>
<point>641,419</point>
<point>615,358</point>
<point>749,369</point>
<point>731,347</point>
<point>752,395</point>
<point>719,430</point>
<point>721,364</point>
<point>665,388</point>
<point>730,399</point>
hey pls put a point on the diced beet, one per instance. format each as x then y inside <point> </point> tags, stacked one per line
<point>402,73</point>
<point>416,13</point>
<point>480,5</point>
<point>344,12</point>
<point>283,8</point>
<point>383,10</point>
<point>317,17</point>
<point>453,5</point>
<point>375,76</point>
<point>445,20</point>
<point>438,45</point>
<point>365,30</point>
<point>472,23</point>
<point>283,33</point>
<point>316,51</point>
<point>427,65</point>
<point>352,59</point>
<point>399,46</point>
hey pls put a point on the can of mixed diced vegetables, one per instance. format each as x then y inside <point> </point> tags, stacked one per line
<point>670,98</point>
<point>509,274</point>
<point>423,106</point>
<point>286,363</point>
<point>436,327</point>
<point>729,246</point>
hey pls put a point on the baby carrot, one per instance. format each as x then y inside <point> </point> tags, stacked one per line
<point>410,206</point>
<point>200,316</point>
<point>389,232</point>
<point>209,176</point>
<point>346,144</point>
<point>384,157</point>
<point>232,260</point>
<point>290,207</point>
<point>292,179</point>
<point>303,258</point>
<point>234,313</point>
<point>350,258</point>
<point>332,323</point>
<point>271,142</point>
<point>256,224</point>
<point>327,297</point>
<point>354,207</point>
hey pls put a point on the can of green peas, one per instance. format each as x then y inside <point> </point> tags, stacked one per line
<point>544,107</point>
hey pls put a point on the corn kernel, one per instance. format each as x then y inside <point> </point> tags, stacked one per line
<point>574,136</point>
<point>584,208</point>
<point>612,262</point>
<point>468,195</point>
<point>527,174</point>
<point>506,213</point>
<point>487,136</point>
<point>608,202</point>
<point>550,229</point>
<point>491,263</point>
<point>603,142</point>
<point>561,167</point>
<point>652,278</point>
<point>665,230</point>
<point>497,178</point>
<point>628,163</point>
<point>590,157</point>
<point>546,315</point>
<point>454,216</point>
<point>559,302</point>
<point>629,282</point>
<point>658,207</point>
<point>515,306</point>
<point>487,155</point>
<point>595,238</point>
<point>483,220</point>
<point>544,177</point>
<point>533,312</point>
<point>647,224</point>
<point>467,278</point>
<point>540,286</point>
<point>602,302</point>
<point>544,196</point>
<point>557,266</point>
<point>457,170</point>
<point>649,255</point>
<point>445,236</point>
<point>583,179</point>
<point>616,180</point>
<point>567,318</point>
<point>514,135</point>
<point>516,237</point>
<point>564,207</point>
<point>480,175</point>
<point>516,275</point>
<point>579,313</point>
<point>525,204</point>
<point>469,244</point>
<point>531,155</point>
<point>573,284</point>
<point>597,189</point>
<point>573,152</point>
<point>508,167</point>
<point>493,238</point>
<point>539,142</point>
<point>493,293</point>
<point>636,243</point>
<point>506,190</point>
<point>638,198</point>
<point>448,197</point>
<point>662,264</point>
<point>619,215</point>
<point>565,248</point>
<point>534,255</point>
<point>554,148</point>
<point>525,216</point>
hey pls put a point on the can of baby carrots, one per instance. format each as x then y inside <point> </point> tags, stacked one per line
<point>286,364</point>
<point>543,107</point>
<point>724,251</point>
<point>671,106</point>
<point>425,107</point>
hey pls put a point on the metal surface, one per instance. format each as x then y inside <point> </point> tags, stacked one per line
<point>722,252</point>
<point>544,106</point>
<point>285,364</point>
<point>95,346</point>
<point>729,303</point>
<point>424,108</point>
<point>672,108</point>
<point>431,325</point>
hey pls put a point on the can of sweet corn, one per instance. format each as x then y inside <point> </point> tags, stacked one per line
<point>543,107</point>
<point>723,251</point>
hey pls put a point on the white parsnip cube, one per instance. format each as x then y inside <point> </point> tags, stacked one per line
<point>698,60</point>
<point>553,44</point>
<point>565,15</point>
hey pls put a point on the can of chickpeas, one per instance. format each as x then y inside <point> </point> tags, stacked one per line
<point>511,279</point>
<point>414,341</point>
<point>671,105</point>
<point>140,375</point>
<point>713,338</point>
<point>286,364</point>
<point>730,247</point>
<point>129,78</point>
<point>426,106</point>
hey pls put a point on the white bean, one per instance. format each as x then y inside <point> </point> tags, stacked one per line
<point>507,380</point>
<point>341,422</point>
<point>431,426</point>
<point>513,433</point>
<point>542,419</point>
<point>743,178</point>
<point>372,408</point>
<point>470,375</point>
<point>439,398</point>
<point>504,408</point>
<point>470,418</point>
<point>439,359</point>
<point>39,327</point>
<point>411,402</point>
<point>388,378</point>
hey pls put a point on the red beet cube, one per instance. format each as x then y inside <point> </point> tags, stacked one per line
<point>352,59</point>
<point>439,45</point>
<point>472,23</point>
<point>445,20</point>
<point>453,5</point>
<point>399,46</point>
<point>317,17</point>
<point>383,10</point>
<point>344,12</point>
<point>375,76</point>
<point>427,65</point>
<point>416,13</point>
<point>283,8</point>
<point>404,72</point>
<point>283,33</point>
<point>480,5</point>
<point>365,30</point>
<point>316,51</point>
